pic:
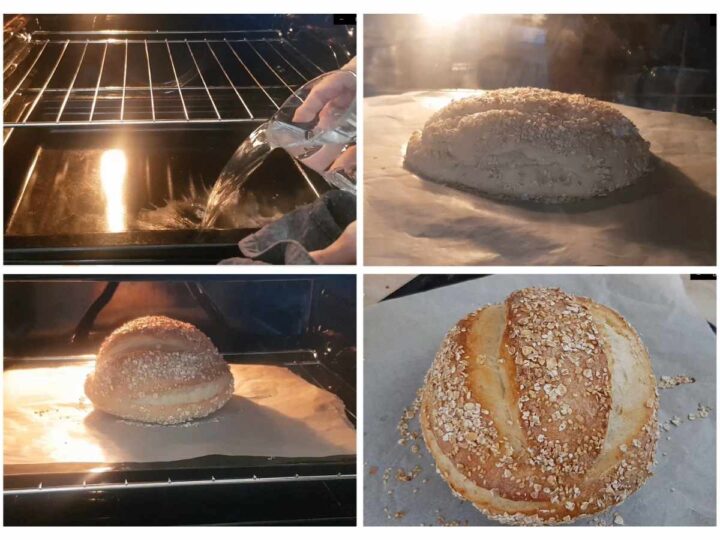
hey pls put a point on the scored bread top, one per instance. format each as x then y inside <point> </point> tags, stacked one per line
<point>518,407</point>
<point>156,354</point>
<point>155,332</point>
<point>562,377</point>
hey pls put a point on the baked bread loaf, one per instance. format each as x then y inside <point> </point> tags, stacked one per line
<point>159,370</point>
<point>532,144</point>
<point>542,409</point>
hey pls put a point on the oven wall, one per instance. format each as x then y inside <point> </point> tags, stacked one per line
<point>248,314</point>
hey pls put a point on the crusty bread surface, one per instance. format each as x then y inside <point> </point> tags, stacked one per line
<point>159,370</point>
<point>542,409</point>
<point>530,144</point>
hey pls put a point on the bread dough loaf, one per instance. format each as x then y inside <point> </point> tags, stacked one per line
<point>159,370</point>
<point>542,409</point>
<point>532,144</point>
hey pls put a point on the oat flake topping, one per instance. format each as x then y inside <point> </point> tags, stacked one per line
<point>555,357</point>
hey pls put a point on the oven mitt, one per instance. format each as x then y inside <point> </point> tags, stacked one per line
<point>307,228</point>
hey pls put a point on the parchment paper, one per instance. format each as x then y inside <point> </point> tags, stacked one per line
<point>273,413</point>
<point>402,336</point>
<point>667,219</point>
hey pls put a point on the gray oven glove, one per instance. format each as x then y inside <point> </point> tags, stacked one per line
<point>307,228</point>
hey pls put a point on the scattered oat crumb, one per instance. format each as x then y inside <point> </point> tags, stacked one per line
<point>618,520</point>
<point>403,426</point>
<point>703,411</point>
<point>399,515</point>
<point>386,475</point>
<point>440,520</point>
<point>373,470</point>
<point>671,382</point>
<point>408,476</point>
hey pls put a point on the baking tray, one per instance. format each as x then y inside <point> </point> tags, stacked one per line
<point>25,478</point>
<point>52,216</point>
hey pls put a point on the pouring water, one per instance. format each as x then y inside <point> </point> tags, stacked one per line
<point>248,156</point>
<point>316,143</point>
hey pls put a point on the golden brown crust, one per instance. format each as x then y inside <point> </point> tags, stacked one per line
<point>562,379</point>
<point>543,435</point>
<point>167,334</point>
<point>160,370</point>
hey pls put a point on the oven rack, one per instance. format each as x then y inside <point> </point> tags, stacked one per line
<point>151,78</point>
<point>212,481</point>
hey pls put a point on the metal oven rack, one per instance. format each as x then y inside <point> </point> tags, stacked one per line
<point>151,77</point>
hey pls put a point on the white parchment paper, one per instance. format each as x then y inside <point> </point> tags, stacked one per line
<point>402,336</point>
<point>272,413</point>
<point>668,219</point>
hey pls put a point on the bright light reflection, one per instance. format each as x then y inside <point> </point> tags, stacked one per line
<point>443,19</point>
<point>69,445</point>
<point>113,170</point>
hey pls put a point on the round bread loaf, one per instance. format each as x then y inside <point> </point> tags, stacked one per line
<point>159,370</point>
<point>531,144</point>
<point>542,409</point>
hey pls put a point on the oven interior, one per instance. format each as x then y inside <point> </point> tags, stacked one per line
<point>303,323</point>
<point>663,62</point>
<point>107,118</point>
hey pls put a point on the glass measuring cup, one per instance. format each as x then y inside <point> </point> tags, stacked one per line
<point>317,124</point>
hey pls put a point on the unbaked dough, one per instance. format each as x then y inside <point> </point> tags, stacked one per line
<point>530,144</point>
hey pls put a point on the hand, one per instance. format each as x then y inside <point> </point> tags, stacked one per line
<point>335,91</point>
<point>347,161</point>
<point>341,251</point>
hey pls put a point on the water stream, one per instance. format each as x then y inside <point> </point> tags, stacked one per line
<point>227,193</point>
<point>316,144</point>
<point>226,204</point>
<point>227,190</point>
